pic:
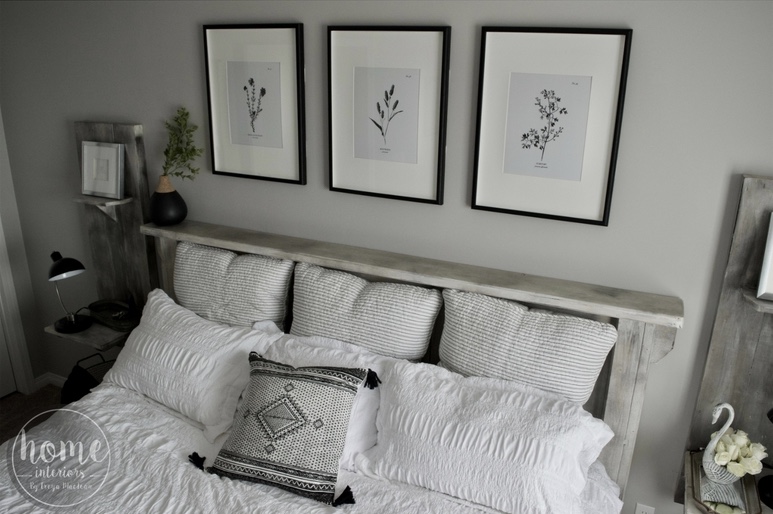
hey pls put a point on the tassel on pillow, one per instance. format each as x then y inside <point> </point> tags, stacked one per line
<point>197,460</point>
<point>371,380</point>
<point>346,497</point>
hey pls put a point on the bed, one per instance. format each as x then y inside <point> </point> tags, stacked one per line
<point>277,374</point>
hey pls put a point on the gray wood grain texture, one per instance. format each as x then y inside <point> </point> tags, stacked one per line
<point>646,323</point>
<point>549,292</point>
<point>123,258</point>
<point>739,365</point>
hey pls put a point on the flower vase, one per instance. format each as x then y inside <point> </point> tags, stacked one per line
<point>167,207</point>
<point>718,474</point>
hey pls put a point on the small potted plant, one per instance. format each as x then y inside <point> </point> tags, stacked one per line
<point>167,207</point>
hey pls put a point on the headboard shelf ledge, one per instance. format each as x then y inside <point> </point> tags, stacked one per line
<point>530,289</point>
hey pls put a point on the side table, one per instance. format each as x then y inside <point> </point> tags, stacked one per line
<point>97,336</point>
<point>692,477</point>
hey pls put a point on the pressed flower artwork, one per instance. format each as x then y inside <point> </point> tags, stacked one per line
<point>547,118</point>
<point>386,106</point>
<point>254,103</point>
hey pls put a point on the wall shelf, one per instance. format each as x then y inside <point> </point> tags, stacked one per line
<point>764,306</point>
<point>106,205</point>
<point>97,336</point>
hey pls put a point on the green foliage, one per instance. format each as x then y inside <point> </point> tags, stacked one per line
<point>180,150</point>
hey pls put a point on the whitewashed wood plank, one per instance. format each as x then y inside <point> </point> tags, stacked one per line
<point>739,364</point>
<point>549,292</point>
<point>628,380</point>
<point>123,258</point>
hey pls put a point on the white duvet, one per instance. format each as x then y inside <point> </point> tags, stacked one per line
<point>150,471</point>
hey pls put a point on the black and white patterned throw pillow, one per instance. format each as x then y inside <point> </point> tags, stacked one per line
<point>291,427</point>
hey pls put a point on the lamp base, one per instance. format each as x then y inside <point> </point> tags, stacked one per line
<point>78,324</point>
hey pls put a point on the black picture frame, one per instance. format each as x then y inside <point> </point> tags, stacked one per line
<point>276,149</point>
<point>519,65</point>
<point>411,165</point>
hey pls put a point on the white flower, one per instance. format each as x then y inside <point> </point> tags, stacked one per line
<point>732,449</point>
<point>722,458</point>
<point>745,451</point>
<point>751,466</point>
<point>758,451</point>
<point>740,438</point>
<point>736,468</point>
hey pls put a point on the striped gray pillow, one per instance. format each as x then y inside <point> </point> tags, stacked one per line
<point>389,319</point>
<point>490,337</point>
<point>221,286</point>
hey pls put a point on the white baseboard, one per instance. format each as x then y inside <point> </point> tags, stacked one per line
<point>49,378</point>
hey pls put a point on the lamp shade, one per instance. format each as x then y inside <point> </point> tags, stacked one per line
<point>64,267</point>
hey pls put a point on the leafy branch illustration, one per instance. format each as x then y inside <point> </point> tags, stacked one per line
<point>549,111</point>
<point>253,102</point>
<point>386,113</point>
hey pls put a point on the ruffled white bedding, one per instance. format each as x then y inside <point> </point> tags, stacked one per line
<point>150,471</point>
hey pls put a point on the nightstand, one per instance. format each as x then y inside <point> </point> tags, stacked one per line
<point>692,474</point>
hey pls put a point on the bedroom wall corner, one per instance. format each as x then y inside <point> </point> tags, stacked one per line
<point>17,303</point>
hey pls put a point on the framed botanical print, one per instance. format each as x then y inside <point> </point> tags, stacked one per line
<point>550,106</point>
<point>388,99</point>
<point>255,91</point>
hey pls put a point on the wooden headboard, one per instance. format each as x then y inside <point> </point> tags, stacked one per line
<point>646,323</point>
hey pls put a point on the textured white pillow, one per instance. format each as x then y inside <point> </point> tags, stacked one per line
<point>221,286</point>
<point>389,319</point>
<point>320,351</point>
<point>490,337</point>
<point>495,443</point>
<point>191,365</point>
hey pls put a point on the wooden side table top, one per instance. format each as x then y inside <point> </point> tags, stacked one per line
<point>97,336</point>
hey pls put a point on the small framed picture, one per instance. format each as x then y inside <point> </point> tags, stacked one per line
<point>550,108</point>
<point>103,169</point>
<point>388,88</point>
<point>255,90</point>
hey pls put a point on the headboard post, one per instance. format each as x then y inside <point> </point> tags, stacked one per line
<point>166,251</point>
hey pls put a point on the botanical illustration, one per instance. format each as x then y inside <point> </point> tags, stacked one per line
<point>253,102</point>
<point>386,113</point>
<point>547,119</point>
<point>390,132</point>
<point>548,112</point>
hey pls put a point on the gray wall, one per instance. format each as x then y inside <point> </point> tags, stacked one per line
<point>698,113</point>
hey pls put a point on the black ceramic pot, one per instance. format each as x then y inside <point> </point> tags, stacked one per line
<point>167,207</point>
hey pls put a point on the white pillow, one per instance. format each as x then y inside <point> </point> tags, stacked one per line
<point>221,286</point>
<point>500,444</point>
<point>390,319</point>
<point>320,351</point>
<point>191,365</point>
<point>490,337</point>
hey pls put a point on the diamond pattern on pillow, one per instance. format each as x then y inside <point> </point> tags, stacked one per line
<point>291,427</point>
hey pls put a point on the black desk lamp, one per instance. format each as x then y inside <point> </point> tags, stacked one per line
<point>66,267</point>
